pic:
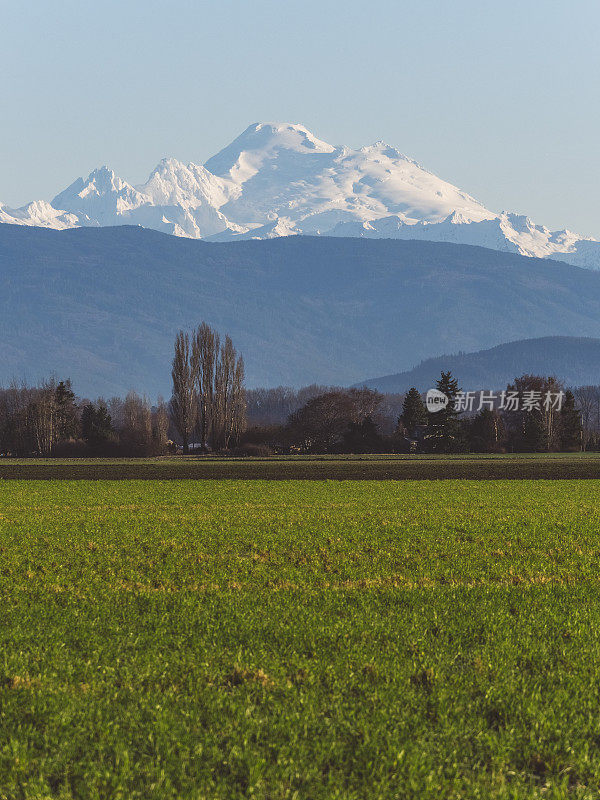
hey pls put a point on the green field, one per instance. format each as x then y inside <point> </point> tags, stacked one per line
<point>367,467</point>
<point>299,639</point>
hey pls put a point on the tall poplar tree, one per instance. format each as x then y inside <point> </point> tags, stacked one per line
<point>184,404</point>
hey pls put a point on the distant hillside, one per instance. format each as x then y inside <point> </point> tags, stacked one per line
<point>575,360</point>
<point>102,305</point>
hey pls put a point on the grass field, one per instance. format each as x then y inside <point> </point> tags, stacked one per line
<point>229,639</point>
<point>367,467</point>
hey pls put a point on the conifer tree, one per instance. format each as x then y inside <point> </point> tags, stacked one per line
<point>486,432</point>
<point>66,411</point>
<point>414,412</point>
<point>96,424</point>
<point>443,431</point>
<point>535,432</point>
<point>571,430</point>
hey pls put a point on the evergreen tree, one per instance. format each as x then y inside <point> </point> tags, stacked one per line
<point>67,422</point>
<point>414,412</point>
<point>486,432</point>
<point>571,430</point>
<point>533,426</point>
<point>443,430</point>
<point>535,432</point>
<point>96,425</point>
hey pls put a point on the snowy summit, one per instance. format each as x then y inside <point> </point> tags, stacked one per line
<point>278,179</point>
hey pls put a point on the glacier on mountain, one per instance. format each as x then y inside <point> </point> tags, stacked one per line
<point>278,179</point>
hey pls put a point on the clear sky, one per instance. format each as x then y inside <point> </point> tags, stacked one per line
<point>502,99</point>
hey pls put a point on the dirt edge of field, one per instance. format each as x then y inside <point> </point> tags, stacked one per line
<point>575,467</point>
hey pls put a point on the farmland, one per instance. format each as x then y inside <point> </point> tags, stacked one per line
<point>308,639</point>
<point>325,467</point>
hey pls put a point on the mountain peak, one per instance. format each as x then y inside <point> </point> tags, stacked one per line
<point>105,179</point>
<point>289,135</point>
<point>279,179</point>
<point>100,181</point>
<point>102,197</point>
<point>169,163</point>
<point>103,170</point>
<point>262,142</point>
<point>385,149</point>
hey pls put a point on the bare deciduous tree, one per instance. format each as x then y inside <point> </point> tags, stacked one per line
<point>43,418</point>
<point>160,426</point>
<point>205,347</point>
<point>238,405</point>
<point>184,403</point>
<point>586,402</point>
<point>223,393</point>
<point>136,433</point>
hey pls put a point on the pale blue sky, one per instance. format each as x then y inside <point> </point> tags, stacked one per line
<point>502,99</point>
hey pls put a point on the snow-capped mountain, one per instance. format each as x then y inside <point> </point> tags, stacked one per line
<point>278,179</point>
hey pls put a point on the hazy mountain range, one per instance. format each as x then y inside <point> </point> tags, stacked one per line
<point>574,360</point>
<point>102,305</point>
<point>278,179</point>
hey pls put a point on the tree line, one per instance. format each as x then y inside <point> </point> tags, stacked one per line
<point>207,408</point>
<point>359,421</point>
<point>211,411</point>
<point>49,420</point>
<point>492,429</point>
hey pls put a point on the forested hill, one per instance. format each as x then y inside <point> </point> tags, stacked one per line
<point>102,305</point>
<point>574,360</point>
